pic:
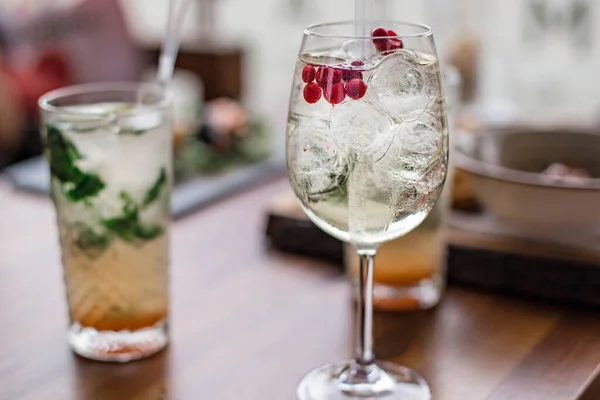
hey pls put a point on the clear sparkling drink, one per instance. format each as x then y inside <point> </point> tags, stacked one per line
<point>367,141</point>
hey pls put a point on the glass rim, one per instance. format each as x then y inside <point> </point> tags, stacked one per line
<point>312,30</point>
<point>44,102</point>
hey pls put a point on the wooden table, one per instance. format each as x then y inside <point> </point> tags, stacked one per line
<point>248,322</point>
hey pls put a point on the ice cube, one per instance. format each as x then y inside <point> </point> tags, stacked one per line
<point>422,138</point>
<point>358,49</point>
<point>405,85</point>
<point>314,160</point>
<point>140,121</point>
<point>97,147</point>
<point>421,143</point>
<point>92,163</point>
<point>145,141</point>
<point>361,130</point>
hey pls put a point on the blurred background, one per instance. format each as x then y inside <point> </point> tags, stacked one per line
<point>522,59</point>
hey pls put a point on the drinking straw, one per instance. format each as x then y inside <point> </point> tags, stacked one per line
<point>363,22</point>
<point>171,41</point>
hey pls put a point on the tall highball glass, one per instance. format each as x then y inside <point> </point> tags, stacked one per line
<point>109,151</point>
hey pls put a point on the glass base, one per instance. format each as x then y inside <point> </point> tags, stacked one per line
<point>120,346</point>
<point>384,381</point>
<point>421,296</point>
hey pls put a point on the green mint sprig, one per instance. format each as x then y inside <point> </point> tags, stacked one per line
<point>127,226</point>
<point>80,186</point>
<point>156,187</point>
<point>62,155</point>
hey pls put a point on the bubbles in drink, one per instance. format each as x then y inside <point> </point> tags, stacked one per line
<point>420,143</point>
<point>433,180</point>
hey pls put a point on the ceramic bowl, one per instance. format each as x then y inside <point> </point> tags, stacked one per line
<point>504,169</point>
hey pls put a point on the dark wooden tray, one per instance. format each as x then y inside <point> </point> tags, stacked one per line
<point>480,254</point>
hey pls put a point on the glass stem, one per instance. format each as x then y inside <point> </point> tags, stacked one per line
<point>364,346</point>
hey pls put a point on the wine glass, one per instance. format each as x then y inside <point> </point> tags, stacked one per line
<point>367,154</point>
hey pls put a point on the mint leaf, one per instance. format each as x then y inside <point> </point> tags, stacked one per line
<point>124,224</point>
<point>62,155</point>
<point>154,190</point>
<point>78,185</point>
<point>147,232</point>
<point>127,226</point>
<point>88,185</point>
<point>89,239</point>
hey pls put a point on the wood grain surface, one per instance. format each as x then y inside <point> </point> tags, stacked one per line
<point>247,323</point>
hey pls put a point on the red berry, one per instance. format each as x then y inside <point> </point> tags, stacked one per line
<point>309,73</point>
<point>380,44</point>
<point>387,44</point>
<point>348,74</point>
<point>334,93</point>
<point>380,32</point>
<point>312,93</point>
<point>321,78</point>
<point>328,75</point>
<point>336,75</point>
<point>356,88</point>
<point>394,42</point>
<point>351,73</point>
